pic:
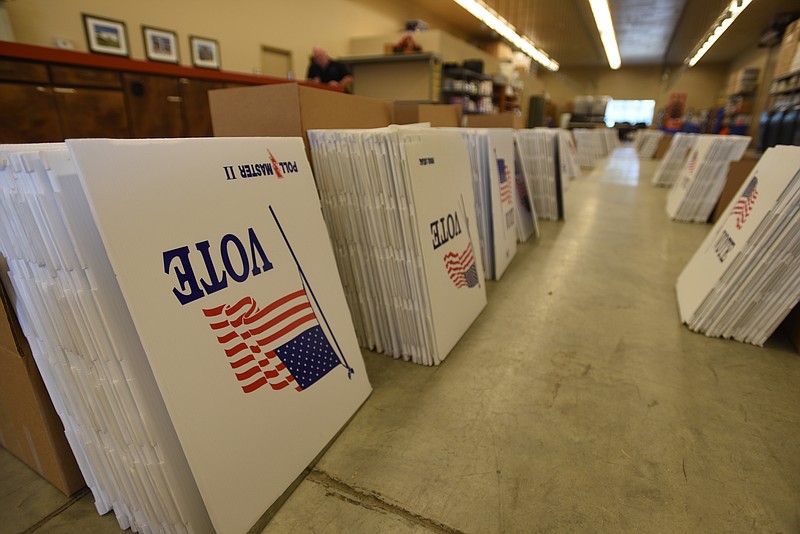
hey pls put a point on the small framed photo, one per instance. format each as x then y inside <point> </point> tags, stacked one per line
<point>160,45</point>
<point>106,36</point>
<point>205,52</point>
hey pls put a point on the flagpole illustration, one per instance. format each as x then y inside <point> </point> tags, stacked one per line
<point>350,370</point>
<point>469,234</point>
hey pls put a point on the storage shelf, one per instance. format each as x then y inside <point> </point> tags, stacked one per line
<point>785,92</point>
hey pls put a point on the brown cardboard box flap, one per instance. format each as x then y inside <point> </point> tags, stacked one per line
<point>289,110</point>
<point>500,120</point>
<point>438,115</point>
<point>29,426</point>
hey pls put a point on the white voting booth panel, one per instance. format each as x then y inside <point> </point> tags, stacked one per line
<point>400,205</point>
<point>674,160</point>
<point>209,273</point>
<point>700,182</point>
<point>745,276</point>
<point>646,142</point>
<point>539,154</point>
<point>502,174</point>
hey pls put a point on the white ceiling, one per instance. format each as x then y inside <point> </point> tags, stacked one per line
<point>649,32</point>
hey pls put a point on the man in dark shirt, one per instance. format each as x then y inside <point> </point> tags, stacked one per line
<point>324,70</point>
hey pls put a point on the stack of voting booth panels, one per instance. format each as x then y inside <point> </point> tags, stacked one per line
<point>587,143</point>
<point>567,153</point>
<point>400,209</point>
<point>527,219</point>
<point>539,153</point>
<point>745,277</point>
<point>674,160</point>
<point>491,155</point>
<point>610,139</point>
<point>700,183</point>
<point>181,300</point>
<point>646,142</point>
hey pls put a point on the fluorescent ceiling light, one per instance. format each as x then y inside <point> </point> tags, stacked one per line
<point>722,23</point>
<point>602,17</point>
<point>486,15</point>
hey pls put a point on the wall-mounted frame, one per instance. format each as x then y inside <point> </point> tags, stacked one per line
<point>106,36</point>
<point>160,44</point>
<point>205,52</point>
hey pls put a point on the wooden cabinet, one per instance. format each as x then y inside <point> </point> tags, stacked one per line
<point>48,94</point>
<point>90,102</point>
<point>154,105</point>
<point>27,109</point>
<point>196,112</point>
<point>91,112</point>
<point>28,114</point>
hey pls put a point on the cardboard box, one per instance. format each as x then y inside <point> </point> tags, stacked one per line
<point>289,110</point>
<point>500,120</point>
<point>788,49</point>
<point>663,146</point>
<point>29,426</point>
<point>737,174</point>
<point>439,115</point>
<point>791,325</point>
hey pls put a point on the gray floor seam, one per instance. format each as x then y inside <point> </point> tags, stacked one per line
<point>72,500</point>
<point>374,501</point>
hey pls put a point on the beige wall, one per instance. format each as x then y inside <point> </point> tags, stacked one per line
<point>704,85</point>
<point>446,46</point>
<point>240,26</point>
<point>243,26</point>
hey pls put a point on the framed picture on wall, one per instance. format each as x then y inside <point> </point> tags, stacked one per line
<point>205,52</point>
<point>160,45</point>
<point>106,36</point>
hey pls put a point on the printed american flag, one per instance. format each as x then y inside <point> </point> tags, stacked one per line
<point>745,203</point>
<point>692,164</point>
<point>462,268</point>
<point>281,345</point>
<point>506,189</point>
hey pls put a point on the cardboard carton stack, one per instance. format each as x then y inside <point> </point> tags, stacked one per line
<point>788,52</point>
<point>742,81</point>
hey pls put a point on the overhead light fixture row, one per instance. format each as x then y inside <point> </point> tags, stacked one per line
<point>722,23</point>
<point>497,23</point>
<point>602,17</point>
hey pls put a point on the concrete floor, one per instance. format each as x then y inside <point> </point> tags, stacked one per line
<point>576,402</point>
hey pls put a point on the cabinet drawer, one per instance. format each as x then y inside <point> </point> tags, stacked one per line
<point>23,71</point>
<point>62,75</point>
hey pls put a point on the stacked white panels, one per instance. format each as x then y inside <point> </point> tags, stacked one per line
<point>401,213</point>
<point>647,142</point>
<point>674,160</point>
<point>120,315</point>
<point>587,144</point>
<point>526,218</point>
<point>491,155</point>
<point>567,153</point>
<point>700,183</point>
<point>745,277</point>
<point>538,151</point>
<point>501,167</point>
<point>611,139</point>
